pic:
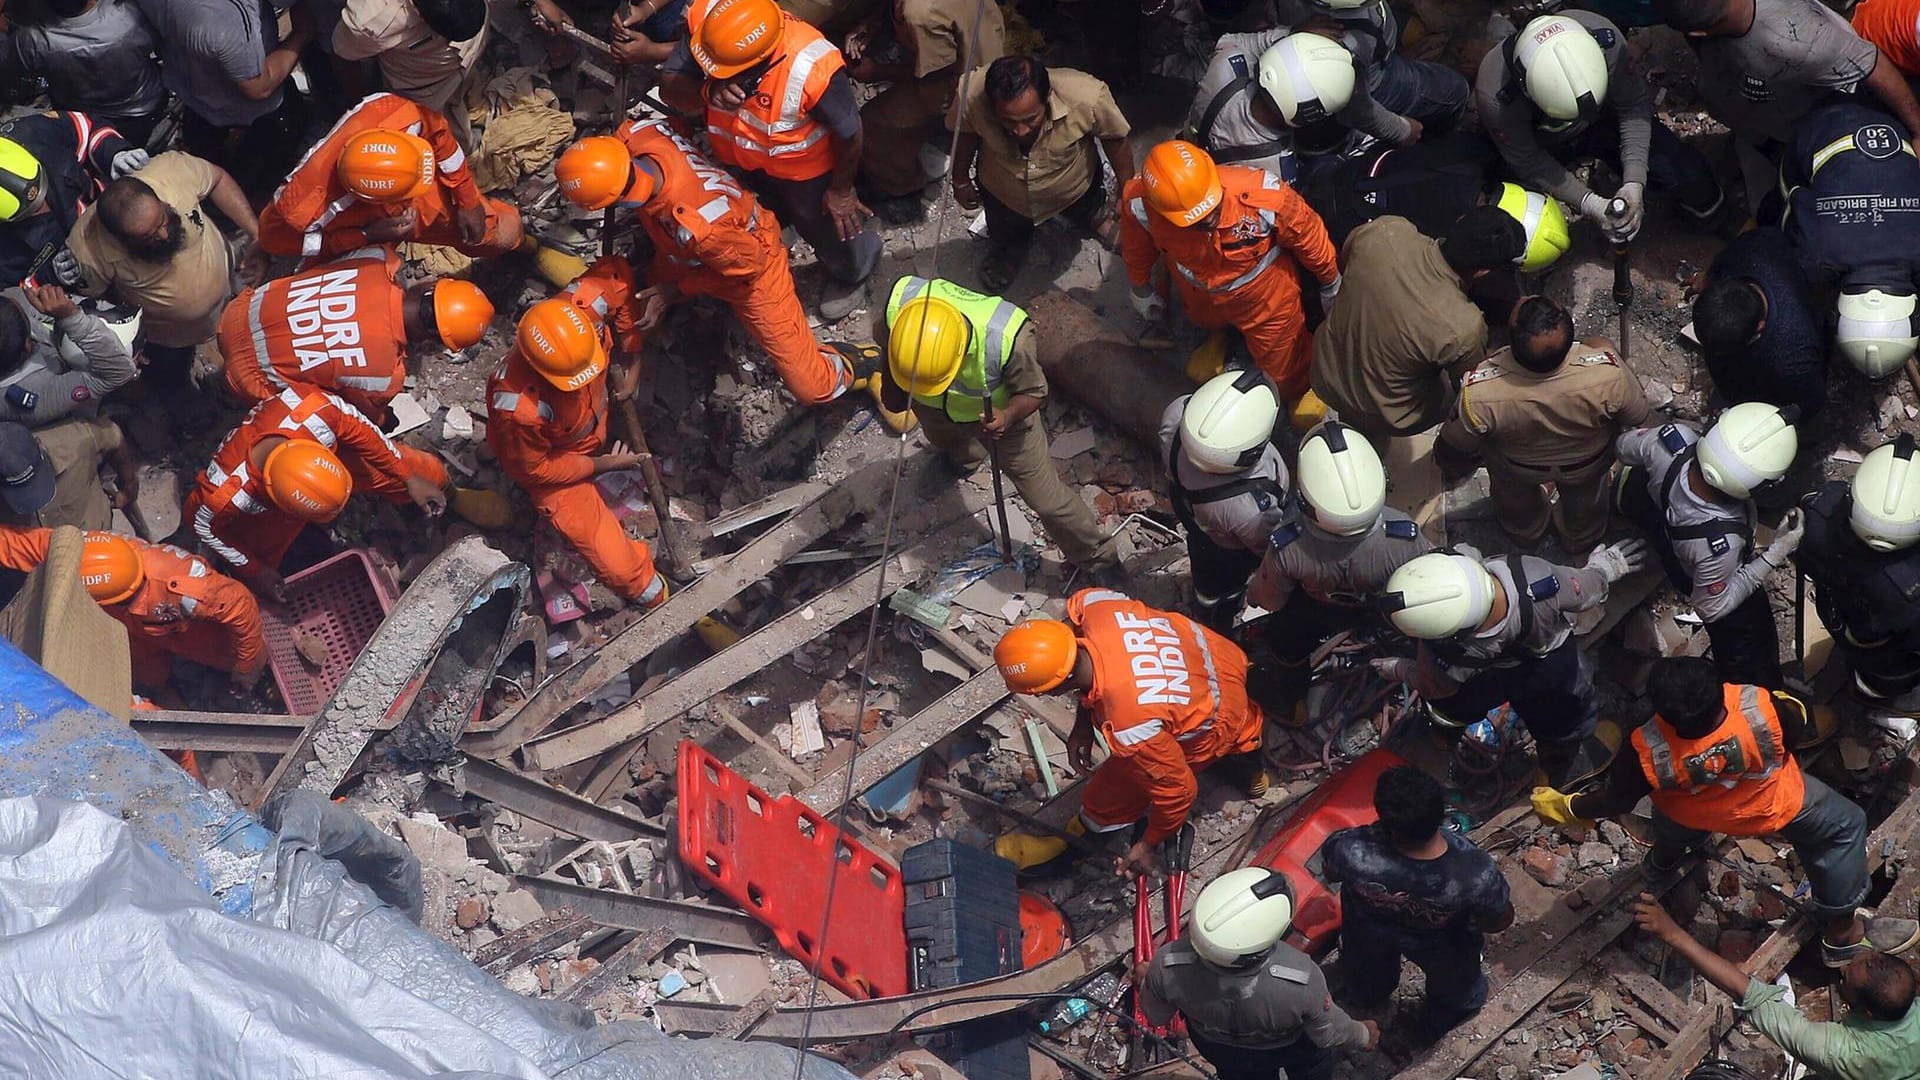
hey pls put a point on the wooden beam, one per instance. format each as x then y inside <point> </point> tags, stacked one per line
<point>810,620</point>
<point>1540,967</point>
<point>953,711</point>
<point>1771,958</point>
<point>859,493</point>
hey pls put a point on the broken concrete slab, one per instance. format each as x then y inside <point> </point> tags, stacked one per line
<point>1073,443</point>
<point>408,415</point>
<point>514,909</point>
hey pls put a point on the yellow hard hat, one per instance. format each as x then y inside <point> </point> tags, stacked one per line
<point>20,179</point>
<point>1544,222</point>
<point>926,345</point>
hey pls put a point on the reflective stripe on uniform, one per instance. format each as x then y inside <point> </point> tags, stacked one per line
<point>454,161</point>
<point>203,528</point>
<point>790,117</point>
<point>1138,733</point>
<point>1139,209</point>
<point>188,606</point>
<point>1206,659</point>
<point>1266,263</point>
<point>505,401</point>
<point>1662,756</point>
<point>258,331</point>
<point>713,211</point>
<point>1101,596</point>
<point>994,346</point>
<point>1762,731</point>
<point>368,383</point>
<point>1840,146</point>
<point>652,591</point>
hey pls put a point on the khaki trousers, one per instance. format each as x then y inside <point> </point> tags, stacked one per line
<point>1521,505</point>
<point>1025,460</point>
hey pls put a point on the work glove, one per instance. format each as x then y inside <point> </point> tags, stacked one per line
<point>1593,207</point>
<point>1394,668</point>
<point>1786,539</point>
<point>1625,226</point>
<point>129,161</point>
<point>1618,559</point>
<point>66,269</point>
<point>1328,291</point>
<point>1147,304</point>
<point>1556,807</point>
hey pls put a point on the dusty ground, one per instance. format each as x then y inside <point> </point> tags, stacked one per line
<point>725,435</point>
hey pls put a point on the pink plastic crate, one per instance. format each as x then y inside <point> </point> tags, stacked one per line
<point>343,601</point>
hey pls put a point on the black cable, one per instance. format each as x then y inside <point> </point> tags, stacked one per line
<point>1054,995</point>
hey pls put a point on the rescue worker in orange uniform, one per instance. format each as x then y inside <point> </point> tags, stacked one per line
<point>1893,26</point>
<point>344,327</point>
<point>780,111</point>
<point>1167,694</point>
<point>390,170</point>
<point>547,420</point>
<point>1718,758</point>
<point>294,461</point>
<point>709,238</point>
<point>172,603</point>
<point>1233,239</point>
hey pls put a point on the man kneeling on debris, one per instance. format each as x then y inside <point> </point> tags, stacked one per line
<point>547,420</point>
<point>1878,1040</point>
<point>292,462</point>
<point>1254,1004</point>
<point>1500,630</point>
<point>172,604</point>
<point>1167,694</point>
<point>1718,757</point>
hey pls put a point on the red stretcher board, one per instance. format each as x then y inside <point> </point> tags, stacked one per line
<point>774,858</point>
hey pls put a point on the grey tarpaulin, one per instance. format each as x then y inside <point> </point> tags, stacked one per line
<point>115,964</point>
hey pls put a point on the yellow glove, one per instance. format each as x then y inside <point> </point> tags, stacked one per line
<point>1556,807</point>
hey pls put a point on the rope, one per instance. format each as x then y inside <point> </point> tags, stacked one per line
<point>880,581</point>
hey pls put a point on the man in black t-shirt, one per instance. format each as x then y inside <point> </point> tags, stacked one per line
<point>1410,888</point>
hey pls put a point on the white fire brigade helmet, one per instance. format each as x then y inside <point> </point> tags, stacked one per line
<point>1561,67</point>
<point>1240,915</point>
<point>1438,595</point>
<point>1877,330</point>
<point>1751,444</point>
<point>1886,497</point>
<point>1340,479</point>
<point>1228,421</point>
<point>1308,77</point>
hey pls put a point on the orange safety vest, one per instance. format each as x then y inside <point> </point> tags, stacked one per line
<point>1738,780</point>
<point>337,327</point>
<point>1894,28</point>
<point>702,203</point>
<point>1158,672</point>
<point>772,132</point>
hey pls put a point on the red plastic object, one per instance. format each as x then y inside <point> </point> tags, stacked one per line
<point>1044,930</point>
<point>774,857</point>
<point>342,601</point>
<point>1343,801</point>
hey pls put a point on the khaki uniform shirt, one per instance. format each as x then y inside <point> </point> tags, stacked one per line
<point>1272,1004</point>
<point>940,31</point>
<point>1566,417</point>
<point>1402,322</point>
<point>181,299</point>
<point>1063,162</point>
<point>417,63</point>
<point>76,448</point>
